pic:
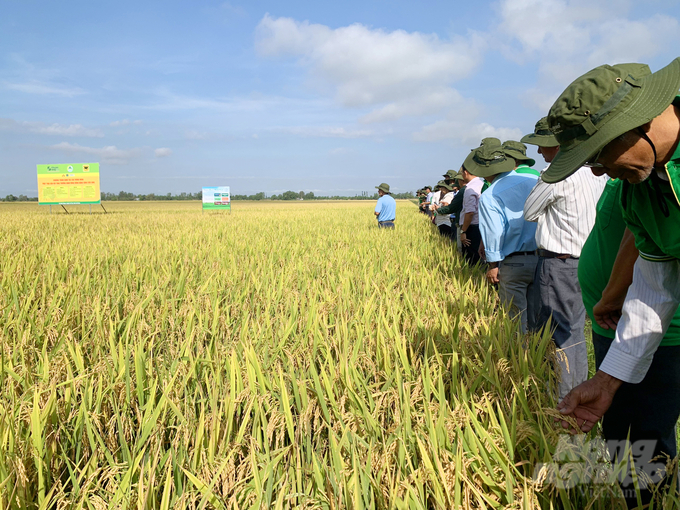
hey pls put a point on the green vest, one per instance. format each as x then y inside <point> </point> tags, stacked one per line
<point>651,210</point>
<point>599,253</point>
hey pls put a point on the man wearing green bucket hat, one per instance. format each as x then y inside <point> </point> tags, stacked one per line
<point>518,152</point>
<point>468,220</point>
<point>624,121</point>
<point>386,208</point>
<point>565,214</point>
<point>443,221</point>
<point>544,139</point>
<point>456,205</point>
<point>509,240</point>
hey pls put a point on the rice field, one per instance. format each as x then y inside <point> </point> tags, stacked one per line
<point>287,355</point>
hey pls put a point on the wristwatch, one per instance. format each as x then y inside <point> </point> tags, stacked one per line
<point>463,231</point>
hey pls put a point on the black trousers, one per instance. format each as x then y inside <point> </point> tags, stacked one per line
<point>447,231</point>
<point>471,253</point>
<point>649,410</point>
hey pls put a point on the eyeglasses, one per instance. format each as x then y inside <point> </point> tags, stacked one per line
<point>592,162</point>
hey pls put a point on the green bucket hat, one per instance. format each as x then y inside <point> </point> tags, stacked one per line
<point>605,103</point>
<point>488,160</point>
<point>450,174</point>
<point>448,187</point>
<point>518,151</point>
<point>384,187</point>
<point>492,142</point>
<point>542,136</point>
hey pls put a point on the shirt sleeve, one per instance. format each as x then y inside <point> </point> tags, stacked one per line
<point>538,200</point>
<point>650,305</point>
<point>492,225</point>
<point>378,206</point>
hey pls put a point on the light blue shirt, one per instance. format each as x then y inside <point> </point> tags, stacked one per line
<point>387,208</point>
<point>501,216</point>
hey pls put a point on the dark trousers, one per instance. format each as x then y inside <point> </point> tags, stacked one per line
<point>560,302</point>
<point>447,231</point>
<point>386,224</point>
<point>649,410</point>
<point>471,252</point>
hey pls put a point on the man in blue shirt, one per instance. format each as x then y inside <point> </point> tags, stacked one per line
<point>386,208</point>
<point>509,240</point>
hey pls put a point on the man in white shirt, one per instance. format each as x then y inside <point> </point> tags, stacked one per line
<point>565,213</point>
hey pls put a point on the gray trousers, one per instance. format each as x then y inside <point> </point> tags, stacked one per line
<point>516,288</point>
<point>561,303</point>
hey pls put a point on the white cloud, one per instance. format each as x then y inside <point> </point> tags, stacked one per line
<point>326,132</point>
<point>162,152</point>
<point>109,154</point>
<point>125,122</point>
<point>49,129</point>
<point>569,37</point>
<point>470,134</point>
<point>36,87</point>
<point>372,67</point>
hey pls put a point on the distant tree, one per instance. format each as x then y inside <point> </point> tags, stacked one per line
<point>302,195</point>
<point>289,195</point>
<point>10,198</point>
<point>309,196</point>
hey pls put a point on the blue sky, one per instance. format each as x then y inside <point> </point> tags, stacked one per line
<point>329,97</point>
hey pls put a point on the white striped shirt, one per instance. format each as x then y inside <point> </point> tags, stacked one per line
<point>650,305</point>
<point>565,211</point>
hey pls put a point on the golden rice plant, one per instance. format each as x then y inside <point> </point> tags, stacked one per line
<point>284,355</point>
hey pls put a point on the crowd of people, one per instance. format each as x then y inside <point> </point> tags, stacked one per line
<point>597,233</point>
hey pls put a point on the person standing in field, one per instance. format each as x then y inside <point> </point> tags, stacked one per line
<point>386,208</point>
<point>565,214</point>
<point>470,236</point>
<point>647,411</point>
<point>509,240</point>
<point>624,121</point>
<point>443,221</point>
<point>454,208</point>
<point>518,152</point>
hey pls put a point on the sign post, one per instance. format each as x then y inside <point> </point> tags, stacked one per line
<point>69,184</point>
<point>216,197</point>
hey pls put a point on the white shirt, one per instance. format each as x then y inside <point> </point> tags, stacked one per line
<point>444,219</point>
<point>565,211</point>
<point>650,305</point>
<point>473,190</point>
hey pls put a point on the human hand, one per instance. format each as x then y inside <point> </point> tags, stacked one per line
<point>492,276</point>
<point>464,240</point>
<point>588,402</point>
<point>607,311</point>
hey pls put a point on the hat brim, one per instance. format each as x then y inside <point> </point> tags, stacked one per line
<point>540,140</point>
<point>518,156</point>
<point>657,92</point>
<point>383,190</point>
<point>506,165</point>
